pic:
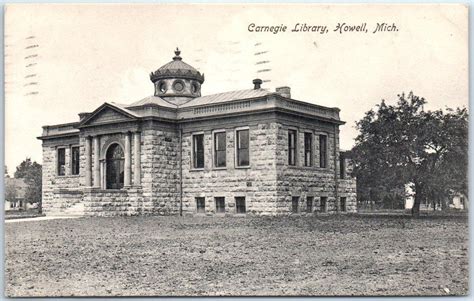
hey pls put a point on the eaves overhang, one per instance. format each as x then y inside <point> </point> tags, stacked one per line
<point>60,135</point>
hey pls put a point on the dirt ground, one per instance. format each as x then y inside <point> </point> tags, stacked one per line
<point>301,255</point>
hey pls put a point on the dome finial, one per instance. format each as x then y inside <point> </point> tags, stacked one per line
<point>177,52</point>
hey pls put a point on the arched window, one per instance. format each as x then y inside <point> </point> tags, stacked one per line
<point>114,167</point>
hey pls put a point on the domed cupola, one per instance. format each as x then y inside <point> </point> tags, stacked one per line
<point>177,82</point>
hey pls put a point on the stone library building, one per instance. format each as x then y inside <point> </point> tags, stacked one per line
<point>246,152</point>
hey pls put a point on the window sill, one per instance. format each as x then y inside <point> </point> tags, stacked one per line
<point>307,167</point>
<point>196,169</point>
<point>114,190</point>
<point>67,176</point>
<point>242,167</point>
<point>220,168</point>
<point>103,190</point>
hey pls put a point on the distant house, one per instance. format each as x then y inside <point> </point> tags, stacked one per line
<point>458,201</point>
<point>15,191</point>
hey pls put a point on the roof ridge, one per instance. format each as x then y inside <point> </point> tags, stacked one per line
<point>149,99</point>
<point>233,91</point>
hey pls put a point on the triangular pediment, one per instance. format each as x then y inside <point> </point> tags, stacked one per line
<point>106,114</point>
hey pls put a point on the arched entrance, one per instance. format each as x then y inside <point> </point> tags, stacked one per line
<point>114,167</point>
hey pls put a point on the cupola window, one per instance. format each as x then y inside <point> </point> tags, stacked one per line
<point>162,87</point>
<point>177,82</point>
<point>178,86</point>
<point>194,88</point>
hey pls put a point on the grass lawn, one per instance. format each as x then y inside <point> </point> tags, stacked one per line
<point>321,255</point>
<point>13,214</point>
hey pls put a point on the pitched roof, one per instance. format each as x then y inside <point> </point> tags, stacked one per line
<point>153,100</point>
<point>114,106</point>
<point>124,108</point>
<point>176,65</point>
<point>204,100</point>
<point>226,96</point>
<point>177,68</point>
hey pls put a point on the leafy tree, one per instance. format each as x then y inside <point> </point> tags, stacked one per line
<point>10,193</point>
<point>6,172</point>
<point>404,144</point>
<point>32,173</point>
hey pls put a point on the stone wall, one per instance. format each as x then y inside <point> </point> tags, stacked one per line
<point>110,202</point>
<point>167,177</point>
<point>63,192</point>
<point>348,188</point>
<point>160,169</point>
<point>56,195</point>
<point>256,183</point>
<point>301,181</point>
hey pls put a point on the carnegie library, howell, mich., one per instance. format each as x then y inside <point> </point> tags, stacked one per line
<point>177,153</point>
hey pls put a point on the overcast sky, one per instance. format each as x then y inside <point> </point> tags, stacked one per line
<point>90,54</point>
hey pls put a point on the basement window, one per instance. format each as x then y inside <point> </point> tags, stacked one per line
<point>309,204</point>
<point>342,204</point>
<point>240,205</point>
<point>220,204</point>
<point>294,204</point>
<point>200,205</point>
<point>323,204</point>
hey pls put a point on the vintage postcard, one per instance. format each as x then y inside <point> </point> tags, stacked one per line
<point>236,150</point>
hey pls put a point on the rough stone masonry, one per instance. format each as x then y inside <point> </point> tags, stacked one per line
<point>179,153</point>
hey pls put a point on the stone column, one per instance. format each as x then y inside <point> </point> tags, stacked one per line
<point>136,159</point>
<point>88,154</point>
<point>102,174</point>
<point>96,162</point>
<point>127,163</point>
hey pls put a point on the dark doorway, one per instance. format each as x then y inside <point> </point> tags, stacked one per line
<point>114,167</point>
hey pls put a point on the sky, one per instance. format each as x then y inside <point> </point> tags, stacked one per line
<point>61,60</point>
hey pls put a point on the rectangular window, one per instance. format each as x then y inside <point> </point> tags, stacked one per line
<point>342,166</point>
<point>291,147</point>
<point>220,149</point>
<point>61,161</point>
<point>322,204</point>
<point>294,204</point>
<point>309,204</point>
<point>220,204</point>
<point>323,152</point>
<point>198,151</point>
<point>243,148</point>
<point>200,205</point>
<point>308,149</point>
<point>240,204</point>
<point>75,160</point>
<point>342,204</point>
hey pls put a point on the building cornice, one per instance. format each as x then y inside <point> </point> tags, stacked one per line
<point>272,102</point>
